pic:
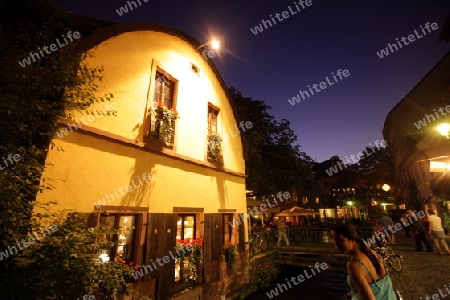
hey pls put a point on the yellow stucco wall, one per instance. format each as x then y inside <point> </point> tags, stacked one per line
<point>90,166</point>
<point>130,61</point>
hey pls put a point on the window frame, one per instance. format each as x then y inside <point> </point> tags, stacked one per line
<point>212,110</point>
<point>227,217</point>
<point>115,238</point>
<point>183,215</point>
<point>150,116</point>
<point>178,262</point>
<point>140,225</point>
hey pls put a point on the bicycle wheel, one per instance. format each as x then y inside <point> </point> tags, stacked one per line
<point>395,262</point>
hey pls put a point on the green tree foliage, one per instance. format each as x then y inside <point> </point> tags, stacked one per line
<point>375,170</point>
<point>64,264</point>
<point>34,98</point>
<point>361,181</point>
<point>274,161</point>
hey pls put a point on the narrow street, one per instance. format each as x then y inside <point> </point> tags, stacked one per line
<point>422,273</point>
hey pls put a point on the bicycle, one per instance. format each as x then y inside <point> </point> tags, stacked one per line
<point>257,242</point>
<point>388,255</point>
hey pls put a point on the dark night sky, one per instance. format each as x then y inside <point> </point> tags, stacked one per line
<point>302,50</point>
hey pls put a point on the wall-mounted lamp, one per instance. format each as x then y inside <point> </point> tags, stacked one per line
<point>215,44</point>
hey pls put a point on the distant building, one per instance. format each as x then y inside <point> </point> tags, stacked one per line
<point>158,181</point>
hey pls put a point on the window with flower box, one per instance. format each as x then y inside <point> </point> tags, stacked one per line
<point>163,113</point>
<point>214,141</point>
<point>188,268</point>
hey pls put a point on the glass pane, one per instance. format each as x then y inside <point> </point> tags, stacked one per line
<point>168,92</point>
<point>158,87</point>
<point>108,222</point>
<point>189,232</point>
<point>126,237</point>
<point>212,122</point>
<point>179,229</point>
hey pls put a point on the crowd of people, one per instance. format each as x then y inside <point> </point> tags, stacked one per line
<point>367,276</point>
<point>423,230</point>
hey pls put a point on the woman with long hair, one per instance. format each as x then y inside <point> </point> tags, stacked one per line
<point>367,277</point>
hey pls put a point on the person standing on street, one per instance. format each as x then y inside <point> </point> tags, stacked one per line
<point>437,232</point>
<point>282,228</point>
<point>404,221</point>
<point>386,221</point>
<point>419,233</point>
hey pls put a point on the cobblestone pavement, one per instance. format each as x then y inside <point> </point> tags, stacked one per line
<point>423,273</point>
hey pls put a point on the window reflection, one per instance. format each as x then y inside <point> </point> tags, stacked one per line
<point>125,239</point>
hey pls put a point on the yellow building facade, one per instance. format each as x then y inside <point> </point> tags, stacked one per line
<point>157,181</point>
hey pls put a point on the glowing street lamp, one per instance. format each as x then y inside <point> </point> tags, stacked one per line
<point>444,129</point>
<point>215,44</point>
<point>386,187</point>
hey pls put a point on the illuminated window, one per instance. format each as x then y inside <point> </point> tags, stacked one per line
<point>185,227</point>
<point>125,239</point>
<point>212,119</point>
<point>185,230</point>
<point>162,125</point>
<point>164,89</point>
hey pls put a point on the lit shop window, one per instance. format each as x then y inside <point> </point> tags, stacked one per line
<point>125,239</point>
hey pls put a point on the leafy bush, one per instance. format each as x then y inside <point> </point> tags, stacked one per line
<point>66,265</point>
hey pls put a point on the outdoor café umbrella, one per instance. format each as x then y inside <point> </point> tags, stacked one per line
<point>297,211</point>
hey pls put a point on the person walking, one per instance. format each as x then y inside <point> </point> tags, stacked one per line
<point>437,232</point>
<point>419,233</point>
<point>386,221</point>
<point>282,228</point>
<point>405,224</point>
<point>367,276</point>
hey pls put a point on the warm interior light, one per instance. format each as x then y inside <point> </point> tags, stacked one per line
<point>350,203</point>
<point>444,129</point>
<point>386,187</point>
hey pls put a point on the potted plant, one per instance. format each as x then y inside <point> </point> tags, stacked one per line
<point>215,147</point>
<point>230,253</point>
<point>165,123</point>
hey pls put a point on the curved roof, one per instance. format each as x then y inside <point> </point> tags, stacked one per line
<point>99,31</point>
